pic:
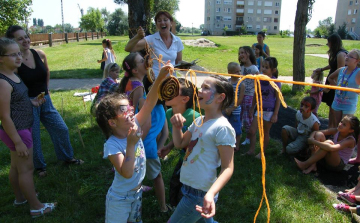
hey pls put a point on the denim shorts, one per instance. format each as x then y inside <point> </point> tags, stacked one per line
<point>123,207</point>
<point>235,122</point>
<point>185,211</point>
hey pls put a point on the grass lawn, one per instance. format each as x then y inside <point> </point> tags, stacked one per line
<point>78,60</point>
<point>81,190</point>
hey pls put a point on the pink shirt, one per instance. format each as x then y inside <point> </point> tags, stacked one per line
<point>345,154</point>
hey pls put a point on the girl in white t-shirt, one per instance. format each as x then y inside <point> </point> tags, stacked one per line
<point>210,142</point>
<point>108,54</point>
<point>125,150</point>
<point>248,66</point>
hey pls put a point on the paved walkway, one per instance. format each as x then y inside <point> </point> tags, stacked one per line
<point>87,84</point>
<point>318,55</point>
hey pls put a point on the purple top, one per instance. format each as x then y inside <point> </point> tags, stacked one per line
<point>268,95</point>
<point>345,154</point>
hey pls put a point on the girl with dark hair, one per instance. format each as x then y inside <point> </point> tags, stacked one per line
<point>131,84</point>
<point>335,153</point>
<point>270,105</point>
<point>260,56</point>
<point>108,54</point>
<point>35,73</point>
<point>260,38</point>
<point>336,60</point>
<point>162,42</point>
<point>210,143</point>
<point>248,66</point>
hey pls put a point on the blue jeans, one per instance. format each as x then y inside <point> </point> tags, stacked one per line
<point>185,211</point>
<point>123,207</point>
<point>57,129</point>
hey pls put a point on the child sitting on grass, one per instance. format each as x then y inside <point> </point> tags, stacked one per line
<point>295,140</point>
<point>125,150</point>
<point>111,73</point>
<point>183,104</point>
<point>335,153</point>
<point>232,113</point>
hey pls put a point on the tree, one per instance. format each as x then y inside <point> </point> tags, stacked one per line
<point>40,22</point>
<point>13,12</point>
<point>178,26</point>
<point>92,20</point>
<point>303,16</point>
<point>118,23</point>
<point>202,26</point>
<point>326,27</point>
<point>225,29</point>
<point>34,22</point>
<point>141,12</point>
<point>243,29</point>
<point>342,31</point>
<point>105,15</point>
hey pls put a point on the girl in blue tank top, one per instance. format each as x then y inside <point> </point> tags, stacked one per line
<point>345,102</point>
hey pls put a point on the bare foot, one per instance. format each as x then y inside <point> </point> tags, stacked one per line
<point>310,169</point>
<point>300,164</point>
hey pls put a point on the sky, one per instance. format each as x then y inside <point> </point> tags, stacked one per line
<point>191,12</point>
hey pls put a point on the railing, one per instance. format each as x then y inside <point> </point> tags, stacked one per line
<point>41,38</point>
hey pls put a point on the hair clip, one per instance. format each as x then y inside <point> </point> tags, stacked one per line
<point>127,65</point>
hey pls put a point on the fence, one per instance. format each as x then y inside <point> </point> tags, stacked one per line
<point>41,38</point>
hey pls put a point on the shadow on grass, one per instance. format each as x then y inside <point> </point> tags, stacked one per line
<point>77,73</point>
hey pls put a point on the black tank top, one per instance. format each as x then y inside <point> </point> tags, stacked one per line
<point>21,109</point>
<point>34,79</point>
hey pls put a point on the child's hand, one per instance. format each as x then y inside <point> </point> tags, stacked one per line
<point>208,208</point>
<point>163,152</point>
<point>99,61</point>
<point>134,135</point>
<point>273,118</point>
<point>22,150</point>
<point>166,69</point>
<point>177,121</point>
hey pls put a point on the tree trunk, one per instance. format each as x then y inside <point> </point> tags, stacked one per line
<point>301,20</point>
<point>138,15</point>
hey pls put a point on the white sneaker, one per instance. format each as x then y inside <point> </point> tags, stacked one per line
<point>246,141</point>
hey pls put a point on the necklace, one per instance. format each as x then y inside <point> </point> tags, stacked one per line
<point>344,81</point>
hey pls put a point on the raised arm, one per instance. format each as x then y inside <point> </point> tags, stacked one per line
<point>180,139</point>
<point>152,96</point>
<point>137,43</point>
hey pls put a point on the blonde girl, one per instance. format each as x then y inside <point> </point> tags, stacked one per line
<point>316,92</point>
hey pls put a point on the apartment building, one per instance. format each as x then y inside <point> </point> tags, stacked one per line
<point>256,15</point>
<point>347,11</point>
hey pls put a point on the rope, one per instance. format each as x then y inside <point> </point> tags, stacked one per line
<point>259,107</point>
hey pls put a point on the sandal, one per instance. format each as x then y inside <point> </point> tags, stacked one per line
<point>75,161</point>
<point>168,210</point>
<point>40,212</point>
<point>16,203</point>
<point>41,172</point>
